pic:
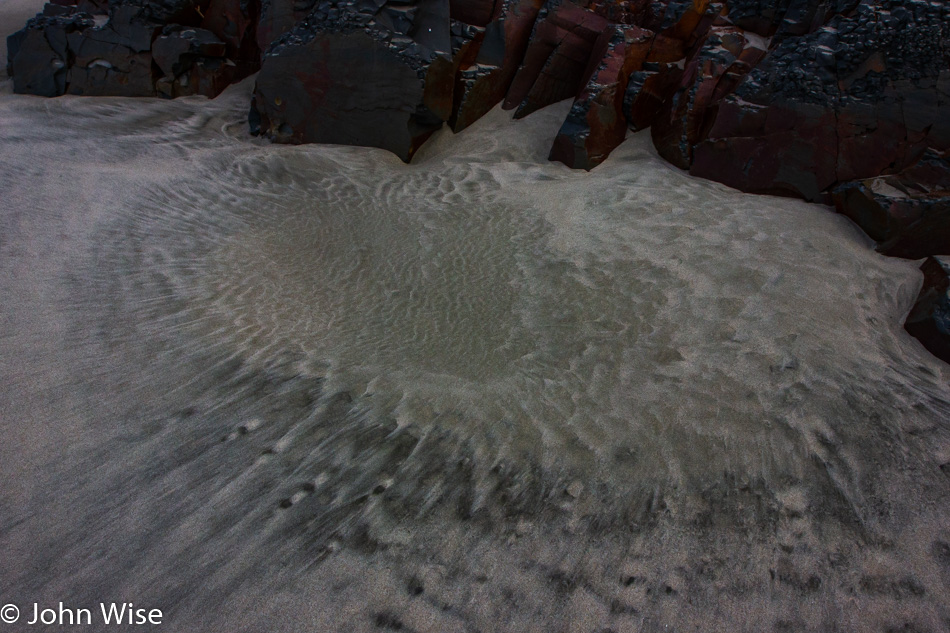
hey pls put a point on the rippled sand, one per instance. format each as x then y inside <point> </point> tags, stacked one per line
<point>312,388</point>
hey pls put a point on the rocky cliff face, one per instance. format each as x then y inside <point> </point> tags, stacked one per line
<point>828,100</point>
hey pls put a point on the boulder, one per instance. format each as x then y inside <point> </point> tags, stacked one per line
<point>784,18</point>
<point>855,98</point>
<point>346,75</point>
<point>115,58</point>
<point>908,214</point>
<point>39,55</point>
<point>929,319</point>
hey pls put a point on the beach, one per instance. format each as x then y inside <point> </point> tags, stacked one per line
<point>285,388</point>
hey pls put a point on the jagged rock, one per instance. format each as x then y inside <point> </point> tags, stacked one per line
<point>177,48</point>
<point>557,56</point>
<point>848,90</point>
<point>137,50</point>
<point>908,214</point>
<point>626,12</point>
<point>785,18</point>
<point>484,82</point>
<point>39,54</point>
<point>650,78</point>
<point>344,76</point>
<point>116,58</point>
<point>684,21</point>
<point>234,22</point>
<point>647,90</point>
<point>207,76</point>
<point>860,95</point>
<point>725,56</point>
<point>193,62</point>
<point>596,123</point>
<point>929,320</point>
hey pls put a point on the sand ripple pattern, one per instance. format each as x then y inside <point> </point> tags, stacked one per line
<point>632,324</point>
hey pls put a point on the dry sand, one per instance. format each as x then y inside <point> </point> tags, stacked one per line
<point>275,388</point>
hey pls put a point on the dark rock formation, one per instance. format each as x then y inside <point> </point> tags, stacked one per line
<point>929,320</point>
<point>234,22</point>
<point>712,72</point>
<point>558,54</point>
<point>38,55</point>
<point>793,97</point>
<point>908,214</point>
<point>134,48</point>
<point>596,123</point>
<point>115,58</point>
<point>355,74</point>
<point>859,96</point>
<point>484,77</point>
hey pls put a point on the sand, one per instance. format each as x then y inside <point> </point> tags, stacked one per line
<point>312,388</point>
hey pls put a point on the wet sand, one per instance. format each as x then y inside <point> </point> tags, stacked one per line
<point>312,388</point>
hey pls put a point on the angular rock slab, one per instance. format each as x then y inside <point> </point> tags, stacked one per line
<point>558,54</point>
<point>929,320</point>
<point>596,124</point>
<point>484,82</point>
<point>726,54</point>
<point>346,88</point>
<point>908,214</point>
<point>39,55</point>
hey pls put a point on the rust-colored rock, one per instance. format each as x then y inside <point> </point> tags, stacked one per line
<point>557,56</point>
<point>725,56</point>
<point>484,82</point>
<point>596,124</point>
